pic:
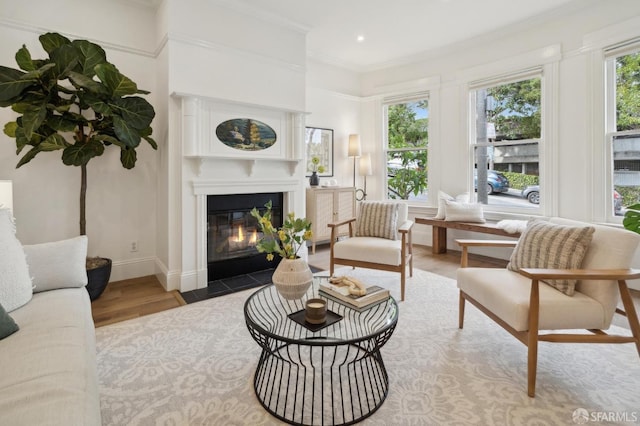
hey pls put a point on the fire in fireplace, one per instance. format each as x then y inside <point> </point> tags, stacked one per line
<point>232,233</point>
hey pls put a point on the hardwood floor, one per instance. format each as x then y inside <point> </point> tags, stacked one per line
<point>133,298</point>
<point>136,297</point>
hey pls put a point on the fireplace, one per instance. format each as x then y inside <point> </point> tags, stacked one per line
<point>193,257</point>
<point>232,233</point>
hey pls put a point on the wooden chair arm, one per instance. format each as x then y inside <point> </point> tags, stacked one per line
<point>580,274</point>
<point>465,244</point>
<point>406,226</point>
<point>344,222</point>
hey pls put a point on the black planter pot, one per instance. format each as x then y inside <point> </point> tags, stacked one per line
<point>98,280</point>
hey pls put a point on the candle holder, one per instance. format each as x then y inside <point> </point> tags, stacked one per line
<point>316,311</point>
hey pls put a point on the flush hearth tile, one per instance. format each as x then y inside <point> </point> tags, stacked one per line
<point>240,282</point>
<point>263,277</point>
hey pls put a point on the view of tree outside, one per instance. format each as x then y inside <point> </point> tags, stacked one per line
<point>625,131</point>
<point>628,92</point>
<point>506,140</point>
<point>408,139</point>
<point>516,110</point>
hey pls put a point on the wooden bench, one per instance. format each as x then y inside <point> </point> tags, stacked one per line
<point>440,226</point>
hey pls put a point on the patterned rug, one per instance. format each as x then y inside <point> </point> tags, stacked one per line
<point>194,365</point>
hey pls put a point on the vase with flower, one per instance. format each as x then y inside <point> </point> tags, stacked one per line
<point>292,277</point>
<point>315,167</point>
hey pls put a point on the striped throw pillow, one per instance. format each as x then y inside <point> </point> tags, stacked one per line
<point>377,219</point>
<point>548,245</point>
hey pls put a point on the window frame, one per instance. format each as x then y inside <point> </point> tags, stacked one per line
<point>609,57</point>
<point>547,72</point>
<point>397,100</point>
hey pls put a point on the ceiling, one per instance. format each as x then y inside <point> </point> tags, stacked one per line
<point>394,31</point>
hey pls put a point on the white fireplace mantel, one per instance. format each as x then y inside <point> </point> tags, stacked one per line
<point>212,168</point>
<point>204,161</point>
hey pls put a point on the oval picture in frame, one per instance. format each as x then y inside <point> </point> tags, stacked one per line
<point>246,134</point>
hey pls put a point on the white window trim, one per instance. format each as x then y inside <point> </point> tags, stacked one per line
<point>401,99</point>
<point>611,40</point>
<point>547,147</point>
<point>610,131</point>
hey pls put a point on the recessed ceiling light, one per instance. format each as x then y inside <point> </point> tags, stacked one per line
<point>360,38</point>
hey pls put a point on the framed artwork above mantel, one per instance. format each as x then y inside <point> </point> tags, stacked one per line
<point>319,143</point>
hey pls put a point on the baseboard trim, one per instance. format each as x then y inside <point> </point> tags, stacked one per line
<point>132,268</point>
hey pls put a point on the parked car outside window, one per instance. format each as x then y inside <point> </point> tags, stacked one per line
<point>496,182</point>
<point>532,193</point>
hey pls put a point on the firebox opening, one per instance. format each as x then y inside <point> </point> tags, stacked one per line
<point>232,233</point>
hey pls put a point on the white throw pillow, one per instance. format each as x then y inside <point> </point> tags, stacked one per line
<point>15,282</point>
<point>443,197</point>
<point>60,264</point>
<point>463,212</point>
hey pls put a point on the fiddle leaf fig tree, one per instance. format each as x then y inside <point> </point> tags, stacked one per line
<point>76,102</point>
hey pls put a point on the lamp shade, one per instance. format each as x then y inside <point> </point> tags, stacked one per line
<point>365,165</point>
<point>354,146</point>
<point>6,194</point>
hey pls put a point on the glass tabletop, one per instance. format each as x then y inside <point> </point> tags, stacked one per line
<point>269,313</point>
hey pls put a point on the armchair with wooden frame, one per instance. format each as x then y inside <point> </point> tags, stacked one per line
<point>525,306</point>
<point>375,252</point>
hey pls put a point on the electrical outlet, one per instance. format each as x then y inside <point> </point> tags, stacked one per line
<point>134,246</point>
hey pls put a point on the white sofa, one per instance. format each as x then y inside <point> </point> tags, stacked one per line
<point>48,366</point>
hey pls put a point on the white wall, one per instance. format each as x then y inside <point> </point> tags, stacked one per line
<point>121,204</point>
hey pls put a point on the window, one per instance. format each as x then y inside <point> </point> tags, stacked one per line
<point>407,138</point>
<point>623,129</point>
<point>505,134</point>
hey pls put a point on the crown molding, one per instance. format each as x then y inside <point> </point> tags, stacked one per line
<point>22,26</point>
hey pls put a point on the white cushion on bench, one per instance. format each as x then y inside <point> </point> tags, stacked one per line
<point>506,294</point>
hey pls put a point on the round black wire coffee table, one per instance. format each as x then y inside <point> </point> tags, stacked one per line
<point>331,376</point>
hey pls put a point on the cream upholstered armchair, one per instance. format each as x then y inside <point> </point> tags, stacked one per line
<point>562,275</point>
<point>380,238</point>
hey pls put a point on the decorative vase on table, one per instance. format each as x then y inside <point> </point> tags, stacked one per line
<point>314,180</point>
<point>292,278</point>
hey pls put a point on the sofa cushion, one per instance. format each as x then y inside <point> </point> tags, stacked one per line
<point>549,245</point>
<point>7,325</point>
<point>60,264</point>
<point>377,219</point>
<point>15,282</point>
<point>369,249</point>
<point>49,373</point>
<point>611,248</point>
<point>506,294</point>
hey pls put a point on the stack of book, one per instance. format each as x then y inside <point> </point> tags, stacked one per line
<point>375,294</point>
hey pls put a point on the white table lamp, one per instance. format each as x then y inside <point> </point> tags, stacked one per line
<point>354,151</point>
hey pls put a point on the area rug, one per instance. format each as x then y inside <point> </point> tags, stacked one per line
<point>194,365</point>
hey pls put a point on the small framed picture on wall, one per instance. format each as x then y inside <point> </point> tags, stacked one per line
<point>319,145</point>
